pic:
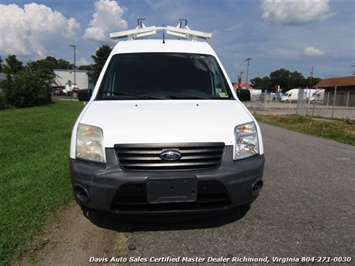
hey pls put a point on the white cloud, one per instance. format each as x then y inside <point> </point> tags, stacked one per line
<point>82,61</point>
<point>291,12</point>
<point>312,51</point>
<point>107,19</point>
<point>35,30</point>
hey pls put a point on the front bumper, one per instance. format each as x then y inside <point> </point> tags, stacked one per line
<point>109,188</point>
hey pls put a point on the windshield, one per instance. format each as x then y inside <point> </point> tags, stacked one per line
<point>163,76</point>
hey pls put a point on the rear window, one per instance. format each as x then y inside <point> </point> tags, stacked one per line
<point>163,76</point>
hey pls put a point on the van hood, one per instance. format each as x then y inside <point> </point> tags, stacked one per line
<point>166,121</point>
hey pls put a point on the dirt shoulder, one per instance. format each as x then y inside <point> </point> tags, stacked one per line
<point>70,238</point>
<point>73,238</point>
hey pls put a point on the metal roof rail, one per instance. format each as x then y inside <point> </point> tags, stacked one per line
<point>141,31</point>
<point>186,33</point>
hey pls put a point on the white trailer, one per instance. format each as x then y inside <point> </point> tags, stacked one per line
<point>295,94</point>
<point>317,96</point>
<point>65,78</point>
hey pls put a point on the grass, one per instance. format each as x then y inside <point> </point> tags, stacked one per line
<point>34,177</point>
<point>340,130</point>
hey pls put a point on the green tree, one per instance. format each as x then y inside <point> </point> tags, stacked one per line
<point>99,58</point>
<point>12,65</point>
<point>261,83</point>
<point>27,89</point>
<point>49,64</point>
<point>296,80</point>
<point>280,77</point>
<point>86,67</point>
<point>285,79</point>
<point>63,64</point>
<point>310,82</point>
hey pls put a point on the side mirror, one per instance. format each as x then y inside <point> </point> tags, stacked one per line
<point>84,95</point>
<point>243,95</point>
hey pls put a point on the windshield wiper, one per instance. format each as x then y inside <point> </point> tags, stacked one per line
<point>186,96</point>
<point>133,96</point>
<point>122,95</point>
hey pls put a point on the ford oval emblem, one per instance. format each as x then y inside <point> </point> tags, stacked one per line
<point>170,155</point>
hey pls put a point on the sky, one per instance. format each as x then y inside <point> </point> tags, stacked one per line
<point>297,35</point>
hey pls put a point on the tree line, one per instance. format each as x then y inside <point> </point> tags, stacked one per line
<point>30,85</point>
<point>284,78</point>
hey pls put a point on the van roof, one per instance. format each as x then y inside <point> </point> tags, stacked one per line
<point>158,46</point>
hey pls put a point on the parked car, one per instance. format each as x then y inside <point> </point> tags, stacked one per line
<point>70,91</point>
<point>57,90</point>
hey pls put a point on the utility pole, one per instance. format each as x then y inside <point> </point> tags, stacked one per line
<point>248,59</point>
<point>240,80</point>
<point>310,87</point>
<point>310,82</point>
<point>74,46</point>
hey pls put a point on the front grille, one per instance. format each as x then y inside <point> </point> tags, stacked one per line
<point>146,157</point>
<point>133,198</point>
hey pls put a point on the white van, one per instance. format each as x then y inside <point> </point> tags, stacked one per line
<point>295,94</point>
<point>290,96</point>
<point>163,131</point>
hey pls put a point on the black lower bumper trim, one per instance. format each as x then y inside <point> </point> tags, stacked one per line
<point>109,188</point>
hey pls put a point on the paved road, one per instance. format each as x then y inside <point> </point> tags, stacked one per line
<point>307,208</point>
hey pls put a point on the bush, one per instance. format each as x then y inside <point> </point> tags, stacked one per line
<point>26,89</point>
<point>3,104</point>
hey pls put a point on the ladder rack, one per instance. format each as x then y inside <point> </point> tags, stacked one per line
<point>142,32</point>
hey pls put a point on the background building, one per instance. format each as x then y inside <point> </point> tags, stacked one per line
<point>339,90</point>
<point>66,77</point>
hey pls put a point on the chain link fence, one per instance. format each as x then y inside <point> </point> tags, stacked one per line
<point>341,98</point>
<point>332,105</point>
<point>261,101</point>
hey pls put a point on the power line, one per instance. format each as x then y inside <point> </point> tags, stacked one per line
<point>273,35</point>
<point>260,20</point>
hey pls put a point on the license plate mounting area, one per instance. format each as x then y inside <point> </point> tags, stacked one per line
<point>174,190</point>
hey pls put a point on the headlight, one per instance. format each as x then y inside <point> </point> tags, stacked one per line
<point>246,141</point>
<point>89,143</point>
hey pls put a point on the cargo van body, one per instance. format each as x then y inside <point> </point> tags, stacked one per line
<point>294,95</point>
<point>317,96</point>
<point>163,132</point>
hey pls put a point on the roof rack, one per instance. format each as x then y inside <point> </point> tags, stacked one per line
<point>141,31</point>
